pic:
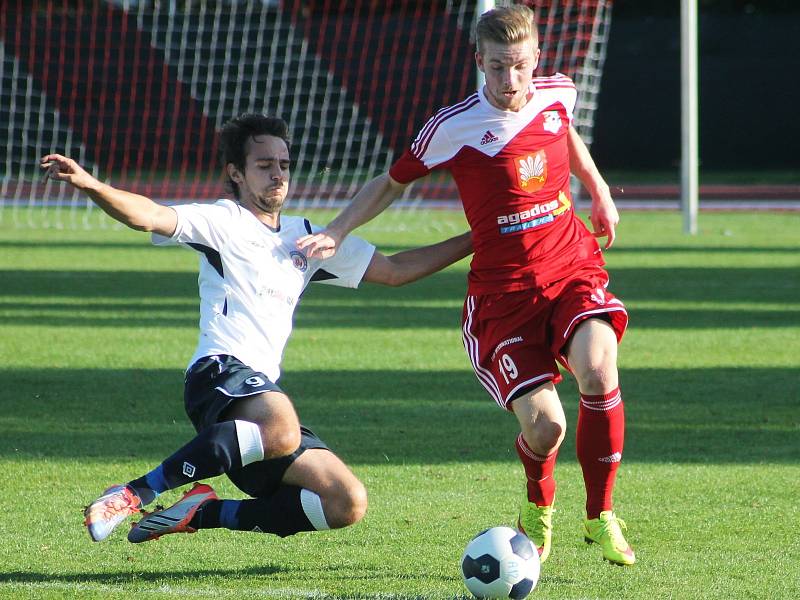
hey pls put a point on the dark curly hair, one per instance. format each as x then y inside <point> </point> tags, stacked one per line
<point>234,135</point>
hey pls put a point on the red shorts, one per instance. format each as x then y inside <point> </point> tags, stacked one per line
<point>516,339</point>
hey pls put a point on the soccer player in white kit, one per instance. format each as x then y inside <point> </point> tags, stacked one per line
<point>251,278</point>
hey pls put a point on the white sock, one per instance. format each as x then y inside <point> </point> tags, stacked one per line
<point>251,449</point>
<point>312,506</point>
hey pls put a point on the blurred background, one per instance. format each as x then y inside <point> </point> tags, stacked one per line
<point>136,91</point>
<point>749,92</point>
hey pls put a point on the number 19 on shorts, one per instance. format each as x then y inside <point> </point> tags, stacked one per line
<point>507,368</point>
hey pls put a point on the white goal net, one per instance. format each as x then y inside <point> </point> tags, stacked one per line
<point>137,90</point>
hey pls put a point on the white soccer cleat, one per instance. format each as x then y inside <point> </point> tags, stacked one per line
<point>103,515</point>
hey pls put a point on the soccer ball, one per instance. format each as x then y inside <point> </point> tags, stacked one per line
<point>500,563</point>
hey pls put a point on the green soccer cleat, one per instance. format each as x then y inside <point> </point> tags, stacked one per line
<point>606,530</point>
<point>537,523</point>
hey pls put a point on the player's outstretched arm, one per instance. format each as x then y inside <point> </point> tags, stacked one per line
<point>135,211</point>
<point>604,216</point>
<point>410,265</point>
<point>368,203</point>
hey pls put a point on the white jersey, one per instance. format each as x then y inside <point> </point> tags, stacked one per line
<point>251,278</point>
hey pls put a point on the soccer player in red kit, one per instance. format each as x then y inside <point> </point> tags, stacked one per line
<point>537,291</point>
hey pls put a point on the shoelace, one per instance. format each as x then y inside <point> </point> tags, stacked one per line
<point>541,522</point>
<point>613,528</point>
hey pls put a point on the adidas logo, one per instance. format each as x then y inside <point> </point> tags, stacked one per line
<point>488,138</point>
<point>614,458</point>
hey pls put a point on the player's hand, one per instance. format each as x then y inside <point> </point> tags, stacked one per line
<point>604,216</point>
<point>62,168</point>
<point>320,245</point>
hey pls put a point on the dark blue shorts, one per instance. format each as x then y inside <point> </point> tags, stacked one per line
<point>212,385</point>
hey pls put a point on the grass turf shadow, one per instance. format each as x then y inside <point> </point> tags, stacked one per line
<point>420,417</point>
<point>169,299</point>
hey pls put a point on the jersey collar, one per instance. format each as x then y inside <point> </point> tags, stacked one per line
<point>509,113</point>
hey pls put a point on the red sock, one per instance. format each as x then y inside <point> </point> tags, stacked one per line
<point>539,471</point>
<point>599,440</point>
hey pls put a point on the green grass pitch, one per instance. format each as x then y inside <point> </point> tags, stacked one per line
<point>96,326</point>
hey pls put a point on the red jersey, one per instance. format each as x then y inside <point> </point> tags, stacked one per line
<point>512,173</point>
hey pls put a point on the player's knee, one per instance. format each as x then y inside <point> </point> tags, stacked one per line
<point>596,372</point>
<point>280,441</point>
<point>348,507</point>
<point>545,436</point>
<point>551,435</point>
<point>597,376</point>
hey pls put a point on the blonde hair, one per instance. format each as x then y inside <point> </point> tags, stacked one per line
<point>507,25</point>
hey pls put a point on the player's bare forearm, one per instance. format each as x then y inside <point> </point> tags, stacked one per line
<point>411,265</point>
<point>582,165</point>
<point>604,216</point>
<point>368,203</point>
<point>135,211</point>
<point>128,208</point>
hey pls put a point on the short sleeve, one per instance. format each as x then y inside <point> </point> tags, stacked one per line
<point>432,146</point>
<point>199,224</point>
<point>566,92</point>
<point>408,168</point>
<point>346,268</point>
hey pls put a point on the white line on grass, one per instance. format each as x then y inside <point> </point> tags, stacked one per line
<point>166,590</point>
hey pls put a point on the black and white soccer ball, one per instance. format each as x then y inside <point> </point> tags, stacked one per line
<point>500,563</point>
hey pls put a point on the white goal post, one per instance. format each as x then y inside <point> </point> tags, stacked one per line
<point>690,130</point>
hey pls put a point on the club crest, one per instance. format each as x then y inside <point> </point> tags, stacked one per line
<point>552,121</point>
<point>532,171</point>
<point>299,261</point>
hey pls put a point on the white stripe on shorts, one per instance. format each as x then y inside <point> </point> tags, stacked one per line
<point>597,311</point>
<point>471,346</point>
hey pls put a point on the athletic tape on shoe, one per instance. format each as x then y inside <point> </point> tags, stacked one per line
<point>251,448</point>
